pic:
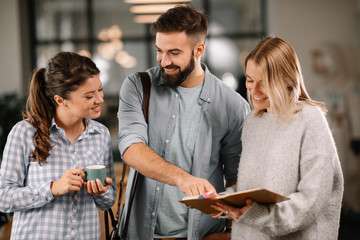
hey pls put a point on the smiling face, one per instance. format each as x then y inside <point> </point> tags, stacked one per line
<point>255,86</point>
<point>175,55</point>
<point>85,102</point>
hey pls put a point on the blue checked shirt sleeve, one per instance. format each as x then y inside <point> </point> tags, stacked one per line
<point>107,199</point>
<point>14,195</point>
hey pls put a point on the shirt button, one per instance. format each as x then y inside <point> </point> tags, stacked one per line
<point>167,140</point>
<point>72,228</point>
<point>157,189</point>
<point>209,99</point>
<point>173,116</point>
<point>176,95</point>
<point>153,214</point>
<point>72,150</point>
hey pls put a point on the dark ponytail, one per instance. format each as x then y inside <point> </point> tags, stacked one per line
<point>39,112</point>
<point>64,73</point>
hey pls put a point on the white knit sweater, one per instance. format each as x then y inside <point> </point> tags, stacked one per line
<point>298,160</point>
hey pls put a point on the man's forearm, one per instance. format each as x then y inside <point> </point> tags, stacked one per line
<point>147,162</point>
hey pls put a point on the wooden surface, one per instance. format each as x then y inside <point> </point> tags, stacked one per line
<point>6,229</point>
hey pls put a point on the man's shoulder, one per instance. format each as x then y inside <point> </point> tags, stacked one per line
<point>225,93</point>
<point>154,74</point>
<point>226,101</point>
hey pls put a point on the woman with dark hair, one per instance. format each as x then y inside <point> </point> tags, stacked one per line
<point>287,148</point>
<point>42,172</point>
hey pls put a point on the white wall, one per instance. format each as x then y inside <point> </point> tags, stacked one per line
<point>308,23</point>
<point>10,50</point>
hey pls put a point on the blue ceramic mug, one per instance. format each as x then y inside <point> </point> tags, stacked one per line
<point>94,172</point>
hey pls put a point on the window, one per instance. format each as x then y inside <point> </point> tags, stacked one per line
<point>105,30</point>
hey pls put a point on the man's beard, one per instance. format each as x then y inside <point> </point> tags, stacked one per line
<point>176,79</point>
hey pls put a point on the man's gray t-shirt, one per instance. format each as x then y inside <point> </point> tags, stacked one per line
<point>172,216</point>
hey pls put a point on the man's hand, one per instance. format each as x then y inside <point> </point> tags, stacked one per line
<point>194,186</point>
<point>147,162</point>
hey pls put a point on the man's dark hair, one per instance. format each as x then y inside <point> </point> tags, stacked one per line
<point>183,18</point>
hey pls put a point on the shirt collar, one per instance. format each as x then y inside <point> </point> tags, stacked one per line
<point>205,94</point>
<point>90,126</point>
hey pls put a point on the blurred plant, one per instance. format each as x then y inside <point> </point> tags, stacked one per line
<point>11,107</point>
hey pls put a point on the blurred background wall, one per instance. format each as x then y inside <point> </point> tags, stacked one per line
<point>10,48</point>
<point>305,24</point>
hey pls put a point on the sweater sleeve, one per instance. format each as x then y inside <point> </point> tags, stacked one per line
<point>319,187</point>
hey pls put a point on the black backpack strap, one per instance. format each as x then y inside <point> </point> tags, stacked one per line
<point>115,220</point>
<point>146,82</point>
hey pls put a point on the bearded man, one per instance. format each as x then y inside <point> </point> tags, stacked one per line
<point>192,141</point>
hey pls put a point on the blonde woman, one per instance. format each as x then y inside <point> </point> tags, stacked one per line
<point>287,148</point>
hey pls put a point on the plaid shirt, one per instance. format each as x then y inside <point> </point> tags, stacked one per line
<point>25,185</point>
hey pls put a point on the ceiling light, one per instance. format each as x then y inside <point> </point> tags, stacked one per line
<point>147,11</point>
<point>154,1</point>
<point>155,8</point>
<point>146,18</point>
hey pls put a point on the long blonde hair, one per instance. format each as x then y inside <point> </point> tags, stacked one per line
<point>282,78</point>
